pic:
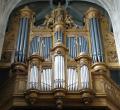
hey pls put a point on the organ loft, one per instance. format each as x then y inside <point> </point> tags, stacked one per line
<point>59,64</point>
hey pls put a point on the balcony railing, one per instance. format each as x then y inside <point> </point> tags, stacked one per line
<point>112,91</point>
<point>105,87</point>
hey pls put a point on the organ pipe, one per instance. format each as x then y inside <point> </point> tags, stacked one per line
<point>21,52</point>
<point>76,45</point>
<point>41,46</point>
<point>95,33</point>
<point>72,80</point>
<point>84,74</point>
<point>33,81</point>
<point>82,45</point>
<point>59,37</point>
<point>84,77</point>
<point>25,39</point>
<point>19,34</point>
<point>59,77</point>
<point>34,71</point>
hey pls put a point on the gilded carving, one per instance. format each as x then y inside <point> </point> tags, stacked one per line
<point>110,49</point>
<point>112,91</point>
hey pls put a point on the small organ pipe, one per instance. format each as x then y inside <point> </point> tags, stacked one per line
<point>71,47</point>
<point>19,35</point>
<point>33,75</point>
<point>41,46</point>
<point>94,54</point>
<point>72,79</point>
<point>95,36</point>
<point>98,40</point>
<point>63,73</point>
<point>60,71</point>
<point>45,47</point>
<point>99,37</point>
<point>76,46</point>
<point>25,39</point>
<point>22,34</point>
<point>48,47</point>
<point>42,81</point>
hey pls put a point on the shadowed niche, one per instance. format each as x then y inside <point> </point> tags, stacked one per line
<point>56,2</point>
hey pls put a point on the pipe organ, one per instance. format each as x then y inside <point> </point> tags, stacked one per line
<point>59,55</point>
<point>63,60</point>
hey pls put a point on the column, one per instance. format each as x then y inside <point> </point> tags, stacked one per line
<point>93,17</point>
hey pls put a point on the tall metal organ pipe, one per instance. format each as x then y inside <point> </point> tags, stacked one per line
<point>21,50</point>
<point>95,33</point>
<point>59,75</point>
<point>84,73</point>
<point>33,77</point>
<point>84,77</point>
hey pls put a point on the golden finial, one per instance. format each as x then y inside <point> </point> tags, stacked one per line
<point>26,12</point>
<point>92,12</point>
